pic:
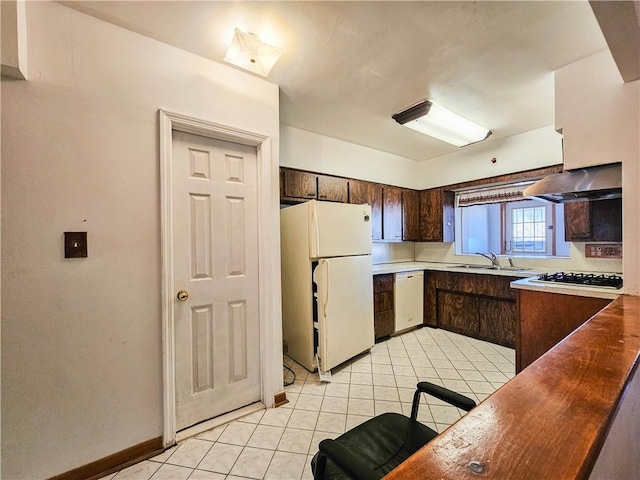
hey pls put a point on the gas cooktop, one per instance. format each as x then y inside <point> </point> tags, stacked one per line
<point>603,280</point>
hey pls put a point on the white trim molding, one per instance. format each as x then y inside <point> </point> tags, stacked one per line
<point>170,122</point>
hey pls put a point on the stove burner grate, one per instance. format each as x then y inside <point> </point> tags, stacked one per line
<point>590,279</point>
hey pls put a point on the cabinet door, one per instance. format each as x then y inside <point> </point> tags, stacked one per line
<point>429,299</point>
<point>436,215</point>
<point>448,200</point>
<point>333,189</point>
<point>361,192</point>
<point>598,220</point>
<point>411,215</point>
<point>391,213</point>
<point>606,220</point>
<point>497,321</point>
<point>298,184</point>
<point>458,313</point>
<point>577,222</point>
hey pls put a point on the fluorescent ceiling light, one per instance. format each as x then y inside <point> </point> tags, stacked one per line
<point>249,52</point>
<point>438,122</point>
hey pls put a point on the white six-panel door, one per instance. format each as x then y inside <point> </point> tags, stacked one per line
<point>215,261</point>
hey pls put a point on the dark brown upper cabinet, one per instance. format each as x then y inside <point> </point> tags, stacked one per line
<point>411,215</point>
<point>298,185</point>
<point>437,215</point>
<point>361,192</point>
<point>595,221</point>
<point>333,189</point>
<point>392,213</point>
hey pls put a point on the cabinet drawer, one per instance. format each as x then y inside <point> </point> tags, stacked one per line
<point>495,286</point>
<point>383,283</point>
<point>457,282</point>
<point>382,302</point>
<point>383,325</point>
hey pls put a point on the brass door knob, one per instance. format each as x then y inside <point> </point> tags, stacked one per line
<point>183,295</point>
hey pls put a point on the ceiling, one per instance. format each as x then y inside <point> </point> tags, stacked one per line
<point>347,67</point>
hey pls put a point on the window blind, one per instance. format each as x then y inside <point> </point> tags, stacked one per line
<point>495,194</point>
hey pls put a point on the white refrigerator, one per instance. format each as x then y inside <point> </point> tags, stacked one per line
<point>327,283</point>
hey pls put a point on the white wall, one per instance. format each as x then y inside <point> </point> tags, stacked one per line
<point>81,338</point>
<point>619,456</point>
<point>392,252</point>
<point>631,223</point>
<point>14,38</point>
<point>529,150</point>
<point>600,118</point>
<point>597,112</point>
<point>319,153</point>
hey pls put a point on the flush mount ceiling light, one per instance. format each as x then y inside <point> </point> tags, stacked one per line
<point>438,122</point>
<point>249,52</point>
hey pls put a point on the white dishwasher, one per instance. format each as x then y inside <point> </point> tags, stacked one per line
<point>408,299</point>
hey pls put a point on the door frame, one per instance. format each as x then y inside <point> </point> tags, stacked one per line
<point>170,122</point>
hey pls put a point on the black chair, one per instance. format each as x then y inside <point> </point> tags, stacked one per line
<point>374,448</point>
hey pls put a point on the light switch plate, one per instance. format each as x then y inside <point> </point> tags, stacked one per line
<point>75,244</point>
<point>603,250</point>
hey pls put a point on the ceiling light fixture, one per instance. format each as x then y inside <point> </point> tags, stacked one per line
<point>247,51</point>
<point>438,122</point>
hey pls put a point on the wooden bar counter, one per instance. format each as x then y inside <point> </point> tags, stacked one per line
<point>575,407</point>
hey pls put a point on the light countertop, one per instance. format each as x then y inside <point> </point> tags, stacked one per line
<point>521,283</point>
<point>450,267</point>
<point>568,289</point>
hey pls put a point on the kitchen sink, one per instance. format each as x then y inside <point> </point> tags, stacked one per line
<point>511,269</point>
<point>483,267</point>
<point>492,267</point>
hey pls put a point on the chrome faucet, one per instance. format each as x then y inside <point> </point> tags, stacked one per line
<point>490,256</point>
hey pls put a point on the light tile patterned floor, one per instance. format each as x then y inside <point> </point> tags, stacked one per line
<point>279,443</point>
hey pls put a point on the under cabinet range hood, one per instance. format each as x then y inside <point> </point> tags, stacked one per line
<point>594,183</point>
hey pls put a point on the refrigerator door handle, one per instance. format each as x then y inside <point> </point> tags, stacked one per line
<point>314,233</point>
<point>325,281</point>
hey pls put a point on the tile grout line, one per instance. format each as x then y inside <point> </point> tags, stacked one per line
<point>495,362</point>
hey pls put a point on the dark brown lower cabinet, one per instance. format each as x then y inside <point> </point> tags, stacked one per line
<point>496,321</point>
<point>383,324</point>
<point>458,313</point>
<point>429,299</point>
<point>479,306</point>
<point>544,319</point>
<point>383,313</point>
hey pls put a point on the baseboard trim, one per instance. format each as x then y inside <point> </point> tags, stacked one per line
<point>115,462</point>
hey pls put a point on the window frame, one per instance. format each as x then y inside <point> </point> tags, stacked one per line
<point>508,226</point>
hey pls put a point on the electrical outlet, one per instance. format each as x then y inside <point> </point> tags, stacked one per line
<point>603,250</point>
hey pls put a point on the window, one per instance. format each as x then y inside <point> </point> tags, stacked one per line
<point>500,220</point>
<point>528,228</point>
